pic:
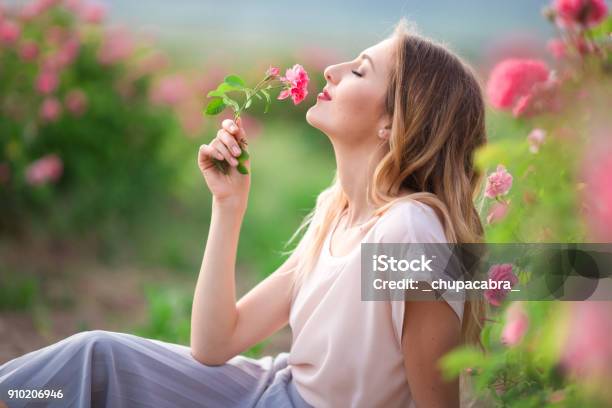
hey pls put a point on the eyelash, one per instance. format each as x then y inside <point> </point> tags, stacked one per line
<point>357,73</point>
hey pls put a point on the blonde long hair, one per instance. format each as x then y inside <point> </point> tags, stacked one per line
<point>438,121</point>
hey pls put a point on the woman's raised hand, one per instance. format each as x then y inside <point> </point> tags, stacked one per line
<point>231,188</point>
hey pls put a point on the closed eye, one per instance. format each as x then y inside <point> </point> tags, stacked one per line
<point>356,73</point>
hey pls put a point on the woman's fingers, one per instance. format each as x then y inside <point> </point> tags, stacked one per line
<point>234,128</point>
<point>220,146</point>
<point>229,141</point>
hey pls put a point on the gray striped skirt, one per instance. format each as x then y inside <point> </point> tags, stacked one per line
<point>108,369</point>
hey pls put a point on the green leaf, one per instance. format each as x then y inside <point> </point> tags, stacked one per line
<point>229,101</point>
<point>258,96</point>
<point>222,89</point>
<point>268,99</point>
<point>455,361</point>
<point>246,106</point>
<point>215,106</point>
<point>235,81</point>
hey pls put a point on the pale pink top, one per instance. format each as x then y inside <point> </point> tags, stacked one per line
<point>347,352</point>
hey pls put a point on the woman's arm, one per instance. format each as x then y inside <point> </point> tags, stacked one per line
<point>220,327</point>
<point>431,329</point>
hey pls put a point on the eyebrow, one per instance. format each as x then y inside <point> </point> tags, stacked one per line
<point>366,56</point>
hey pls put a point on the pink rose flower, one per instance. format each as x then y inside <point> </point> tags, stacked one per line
<point>588,13</point>
<point>498,182</point>
<point>500,273</point>
<point>47,82</point>
<point>497,212</point>
<point>170,90</point>
<point>517,323</point>
<point>50,110</point>
<point>76,102</point>
<point>117,45</point>
<point>93,13</point>
<point>587,350</point>
<point>296,79</point>
<point>9,31</point>
<point>28,51</point>
<point>536,139</point>
<point>44,170</point>
<point>514,79</point>
<point>557,48</point>
<point>273,71</point>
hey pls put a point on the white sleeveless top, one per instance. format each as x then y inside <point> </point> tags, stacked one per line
<point>347,352</point>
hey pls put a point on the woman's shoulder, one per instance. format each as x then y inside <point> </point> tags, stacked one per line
<point>409,220</point>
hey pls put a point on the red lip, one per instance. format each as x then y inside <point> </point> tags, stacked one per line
<point>324,95</point>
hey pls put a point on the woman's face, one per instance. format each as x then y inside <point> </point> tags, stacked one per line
<point>357,89</point>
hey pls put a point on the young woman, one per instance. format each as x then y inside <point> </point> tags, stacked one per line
<point>404,119</point>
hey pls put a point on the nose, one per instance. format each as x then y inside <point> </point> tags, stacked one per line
<point>328,73</point>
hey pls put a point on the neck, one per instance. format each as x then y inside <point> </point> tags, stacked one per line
<point>355,174</point>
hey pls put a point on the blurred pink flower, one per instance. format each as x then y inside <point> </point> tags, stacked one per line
<point>500,273</point>
<point>55,35</point>
<point>296,78</point>
<point>9,31</point>
<point>150,64</point>
<point>76,102</point>
<point>28,51</point>
<point>68,52</point>
<point>557,48</point>
<point>5,173</point>
<point>498,182</point>
<point>273,71</point>
<point>36,7</point>
<point>498,211</point>
<point>580,12</point>
<point>47,82</point>
<point>597,194</point>
<point>535,138</point>
<point>517,323</point>
<point>587,350</point>
<point>50,110</point>
<point>73,5</point>
<point>93,13</point>
<point>170,90</point>
<point>117,45</point>
<point>513,79</point>
<point>46,169</point>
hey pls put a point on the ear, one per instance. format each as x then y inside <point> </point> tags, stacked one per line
<point>383,129</point>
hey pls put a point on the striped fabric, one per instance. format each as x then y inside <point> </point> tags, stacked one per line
<point>108,369</point>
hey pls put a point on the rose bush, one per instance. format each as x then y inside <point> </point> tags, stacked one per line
<point>548,164</point>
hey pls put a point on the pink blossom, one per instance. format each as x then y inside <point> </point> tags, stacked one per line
<point>46,169</point>
<point>296,80</point>
<point>68,52</point>
<point>76,102</point>
<point>28,51</point>
<point>557,48</point>
<point>597,194</point>
<point>536,139</point>
<point>498,182</point>
<point>50,110</point>
<point>588,13</point>
<point>47,82</point>
<point>513,79</point>
<point>500,273</point>
<point>93,13</point>
<point>498,211</point>
<point>587,349</point>
<point>117,45</point>
<point>517,323</point>
<point>170,90</point>
<point>9,31</point>
<point>272,71</point>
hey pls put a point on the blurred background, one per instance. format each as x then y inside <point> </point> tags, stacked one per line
<point>103,211</point>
